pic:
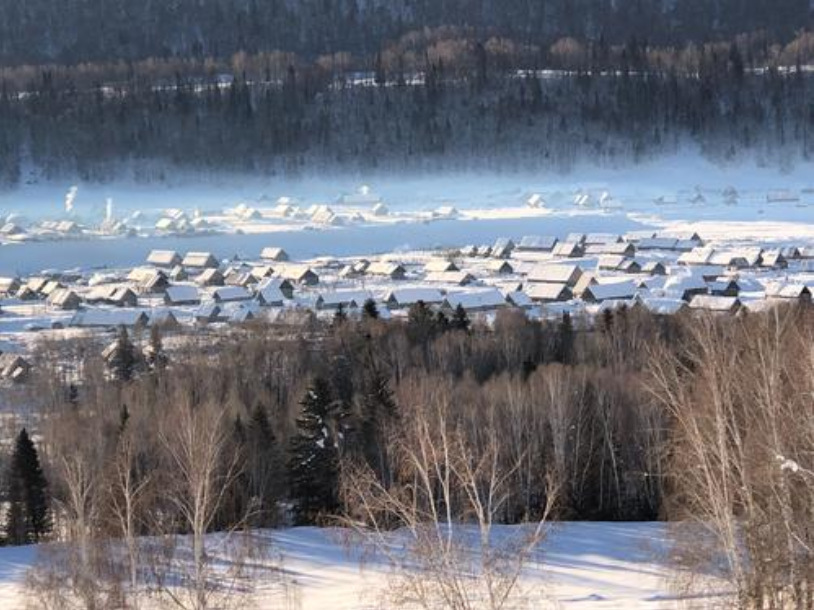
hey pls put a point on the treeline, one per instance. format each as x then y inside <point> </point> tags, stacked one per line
<point>42,31</point>
<point>455,117</point>
<point>703,420</point>
<point>568,404</point>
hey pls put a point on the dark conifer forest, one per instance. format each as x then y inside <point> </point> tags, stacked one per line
<point>109,87</point>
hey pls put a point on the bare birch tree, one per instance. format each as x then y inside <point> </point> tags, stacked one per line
<point>436,523</point>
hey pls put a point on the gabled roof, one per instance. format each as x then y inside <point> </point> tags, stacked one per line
<point>615,291</point>
<point>602,238</point>
<point>200,260</point>
<point>657,243</point>
<point>385,268</point>
<point>715,303</point>
<point>537,243</point>
<point>663,306</point>
<point>500,266</point>
<point>488,298</point>
<point>554,273</point>
<point>408,296</point>
<point>697,256</point>
<point>548,292</point>
<point>518,298</point>
<point>164,258</point>
<point>109,318</point>
<point>459,278</point>
<point>345,298</point>
<point>299,273</point>
<point>570,249</point>
<point>440,265</point>
<point>783,290</point>
<point>210,277</point>
<point>274,254</point>
<point>229,294</point>
<point>182,295</point>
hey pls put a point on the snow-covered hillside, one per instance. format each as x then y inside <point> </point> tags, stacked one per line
<point>583,566</point>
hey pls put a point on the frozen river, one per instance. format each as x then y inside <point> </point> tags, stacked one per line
<point>31,257</point>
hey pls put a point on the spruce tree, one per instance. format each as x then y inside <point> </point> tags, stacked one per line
<point>28,516</point>
<point>262,465</point>
<point>314,464</point>
<point>340,316</point>
<point>421,323</point>
<point>379,412</point>
<point>564,348</point>
<point>124,359</point>
<point>157,357</point>
<point>369,310</point>
<point>460,319</point>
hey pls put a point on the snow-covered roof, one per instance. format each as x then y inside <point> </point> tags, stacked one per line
<point>555,273</point>
<point>109,318</point>
<point>180,295</point>
<point>274,254</point>
<point>408,296</point>
<point>540,243</point>
<point>439,265</point>
<point>603,292</point>
<point>231,293</point>
<point>200,260</point>
<point>547,291</point>
<point>663,306</point>
<point>346,298</point>
<point>164,258</point>
<point>458,278</point>
<point>474,300</point>
<point>714,303</point>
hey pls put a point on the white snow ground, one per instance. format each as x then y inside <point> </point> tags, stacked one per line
<point>585,566</point>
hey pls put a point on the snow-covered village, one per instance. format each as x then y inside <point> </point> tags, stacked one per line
<point>426,305</point>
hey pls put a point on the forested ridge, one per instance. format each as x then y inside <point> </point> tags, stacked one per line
<point>71,31</point>
<point>97,89</point>
<point>310,122</point>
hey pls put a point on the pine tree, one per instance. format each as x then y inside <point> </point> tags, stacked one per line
<point>72,395</point>
<point>379,411</point>
<point>369,310</point>
<point>460,319</point>
<point>124,359</point>
<point>314,465</point>
<point>421,324</point>
<point>28,516</point>
<point>340,316</point>
<point>441,322</point>
<point>564,349</point>
<point>263,466</point>
<point>156,356</point>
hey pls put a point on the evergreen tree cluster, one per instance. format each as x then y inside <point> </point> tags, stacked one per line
<point>444,123</point>
<point>27,518</point>
<point>73,31</point>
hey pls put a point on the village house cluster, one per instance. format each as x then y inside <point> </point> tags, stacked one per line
<point>545,276</point>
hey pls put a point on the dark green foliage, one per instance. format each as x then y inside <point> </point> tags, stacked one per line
<point>564,343</point>
<point>28,517</point>
<point>314,462</point>
<point>369,310</point>
<point>460,319</point>
<point>264,469</point>
<point>157,358</point>
<point>43,31</point>
<point>379,414</point>
<point>340,316</point>
<point>123,362</point>
<point>421,323</point>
